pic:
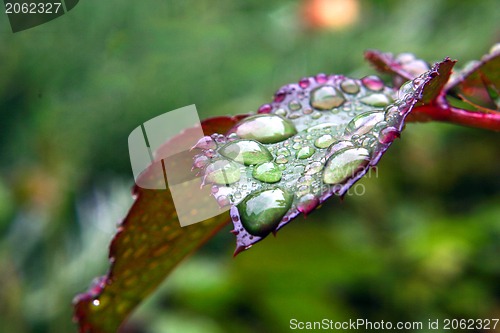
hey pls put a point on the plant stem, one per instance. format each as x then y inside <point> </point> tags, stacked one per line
<point>440,110</point>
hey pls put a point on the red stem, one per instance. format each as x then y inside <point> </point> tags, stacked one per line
<point>440,110</point>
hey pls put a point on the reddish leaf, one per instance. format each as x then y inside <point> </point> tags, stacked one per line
<point>479,83</point>
<point>149,243</point>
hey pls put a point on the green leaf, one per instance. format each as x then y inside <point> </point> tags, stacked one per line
<point>320,136</point>
<point>149,243</point>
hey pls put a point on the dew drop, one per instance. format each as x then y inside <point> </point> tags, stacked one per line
<point>304,82</point>
<point>313,168</point>
<point>349,86</point>
<point>405,89</point>
<point>305,152</point>
<point>247,152</point>
<point>283,151</point>
<point>363,123</point>
<point>261,212</point>
<point>222,172</point>
<point>267,172</point>
<point>294,105</point>
<point>324,141</point>
<point>280,112</point>
<point>321,78</point>
<point>326,98</point>
<point>338,146</point>
<point>266,108</point>
<point>373,82</point>
<point>388,134</point>
<point>205,142</point>
<point>281,159</point>
<point>316,115</point>
<point>378,100</point>
<point>344,164</point>
<point>223,201</point>
<point>265,128</point>
<point>279,96</point>
<point>307,203</point>
<point>200,161</point>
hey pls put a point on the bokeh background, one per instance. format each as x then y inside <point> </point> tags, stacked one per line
<point>422,242</point>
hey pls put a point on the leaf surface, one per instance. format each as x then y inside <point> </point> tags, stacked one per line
<point>149,243</point>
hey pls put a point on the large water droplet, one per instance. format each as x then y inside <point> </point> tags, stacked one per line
<point>324,141</point>
<point>307,203</point>
<point>344,164</point>
<point>349,86</point>
<point>248,152</point>
<point>261,212</point>
<point>267,172</point>
<point>363,123</point>
<point>265,128</point>
<point>222,172</point>
<point>326,98</point>
<point>305,152</point>
<point>378,100</point>
<point>373,82</point>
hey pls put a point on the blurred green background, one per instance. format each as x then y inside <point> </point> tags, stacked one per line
<point>422,242</point>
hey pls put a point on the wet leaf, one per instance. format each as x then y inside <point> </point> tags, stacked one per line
<point>149,243</point>
<point>337,129</point>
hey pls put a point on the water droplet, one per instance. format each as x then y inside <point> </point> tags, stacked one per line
<point>344,164</point>
<point>307,203</point>
<point>392,114</point>
<point>261,212</point>
<point>279,96</point>
<point>307,111</point>
<point>388,134</point>
<point>305,152</point>
<point>209,153</point>
<point>326,98</point>
<point>405,89</point>
<point>316,115</point>
<point>349,86</point>
<point>284,152</point>
<point>324,141</point>
<point>237,195</point>
<point>373,82</point>
<point>200,161</point>
<point>363,123</point>
<point>294,105</point>
<point>222,172</point>
<point>223,201</point>
<point>378,100</point>
<point>280,112</point>
<point>313,168</point>
<point>281,159</point>
<point>205,142</point>
<point>267,172</point>
<point>294,115</point>
<point>214,189</point>
<point>321,78</point>
<point>265,128</point>
<point>248,152</point>
<point>338,146</point>
<point>266,108</point>
<point>304,82</point>
<point>495,48</point>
